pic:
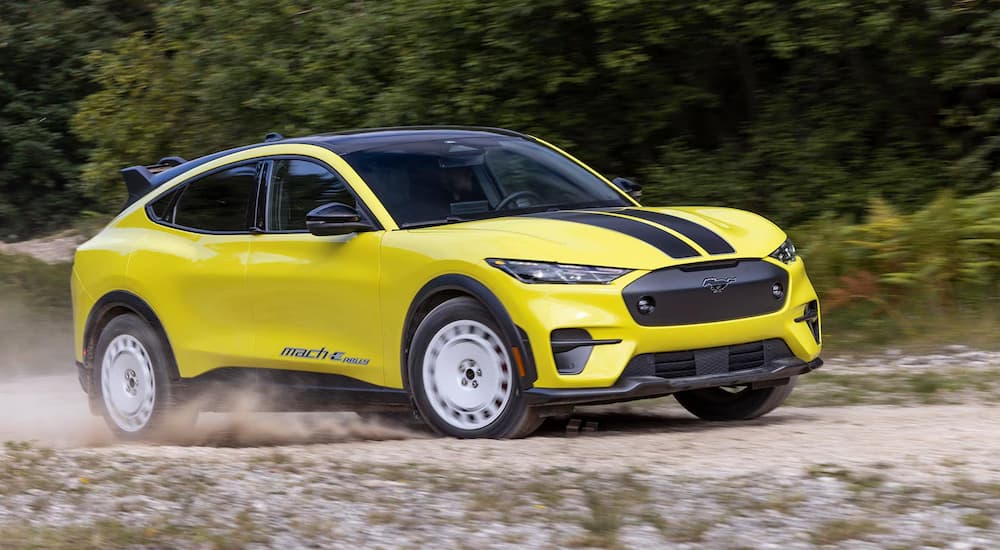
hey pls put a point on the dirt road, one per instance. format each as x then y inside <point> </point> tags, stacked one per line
<point>851,477</point>
<point>661,438</point>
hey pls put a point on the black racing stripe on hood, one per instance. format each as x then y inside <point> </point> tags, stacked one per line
<point>658,238</point>
<point>702,236</point>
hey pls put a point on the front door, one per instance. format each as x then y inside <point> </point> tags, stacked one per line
<point>315,305</point>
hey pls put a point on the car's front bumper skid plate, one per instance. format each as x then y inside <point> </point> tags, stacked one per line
<point>641,387</point>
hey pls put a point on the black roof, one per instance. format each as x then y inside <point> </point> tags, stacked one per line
<point>346,142</point>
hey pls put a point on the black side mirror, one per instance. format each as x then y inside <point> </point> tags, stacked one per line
<point>630,187</point>
<point>336,219</point>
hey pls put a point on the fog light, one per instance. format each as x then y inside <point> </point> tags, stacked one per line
<point>777,291</point>
<point>646,305</point>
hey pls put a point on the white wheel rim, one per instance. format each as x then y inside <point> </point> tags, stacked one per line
<point>127,383</point>
<point>467,375</point>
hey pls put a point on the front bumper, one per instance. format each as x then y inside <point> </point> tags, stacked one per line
<point>601,313</point>
<point>630,388</point>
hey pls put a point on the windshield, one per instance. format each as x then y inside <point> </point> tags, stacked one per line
<point>455,179</point>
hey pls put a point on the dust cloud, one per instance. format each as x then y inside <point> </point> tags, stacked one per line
<point>41,401</point>
<point>31,342</point>
<point>243,426</point>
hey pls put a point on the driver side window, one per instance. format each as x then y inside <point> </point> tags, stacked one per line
<point>298,186</point>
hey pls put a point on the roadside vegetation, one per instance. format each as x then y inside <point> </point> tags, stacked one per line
<point>793,109</point>
<point>930,277</point>
<point>36,283</point>
<point>870,130</point>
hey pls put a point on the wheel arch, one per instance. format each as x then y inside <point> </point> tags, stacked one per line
<point>444,288</point>
<point>120,302</point>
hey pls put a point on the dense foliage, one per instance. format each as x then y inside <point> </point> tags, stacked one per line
<point>43,74</point>
<point>790,108</point>
<point>941,257</point>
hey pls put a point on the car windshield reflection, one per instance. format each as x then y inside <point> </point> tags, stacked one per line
<point>448,180</point>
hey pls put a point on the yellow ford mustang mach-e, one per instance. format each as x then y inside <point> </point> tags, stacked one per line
<point>479,277</point>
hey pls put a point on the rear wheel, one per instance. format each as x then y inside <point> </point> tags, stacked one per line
<point>461,375</point>
<point>136,393</point>
<point>734,403</point>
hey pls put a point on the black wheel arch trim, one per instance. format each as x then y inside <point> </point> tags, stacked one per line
<point>467,285</point>
<point>135,304</point>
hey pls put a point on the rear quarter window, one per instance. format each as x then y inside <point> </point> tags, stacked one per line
<point>219,202</point>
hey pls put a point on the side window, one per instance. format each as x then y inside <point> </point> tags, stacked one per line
<point>218,202</point>
<point>160,210</point>
<point>297,187</point>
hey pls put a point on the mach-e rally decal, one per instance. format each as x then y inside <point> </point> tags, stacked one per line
<point>323,354</point>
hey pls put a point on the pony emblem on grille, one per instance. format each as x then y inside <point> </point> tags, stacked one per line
<point>718,284</point>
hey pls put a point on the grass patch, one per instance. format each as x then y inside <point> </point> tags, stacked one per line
<point>915,329</point>
<point>609,506</point>
<point>784,502</point>
<point>507,505</point>
<point>857,482</point>
<point>115,534</point>
<point>826,389</point>
<point>607,515</point>
<point>967,492</point>
<point>839,530</point>
<point>23,468</point>
<point>689,530</point>
<point>978,520</point>
<point>546,494</point>
<point>40,284</point>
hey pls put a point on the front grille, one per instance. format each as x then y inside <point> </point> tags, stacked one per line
<point>707,292</point>
<point>747,356</point>
<point>708,361</point>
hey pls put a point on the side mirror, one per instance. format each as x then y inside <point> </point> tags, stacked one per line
<point>336,219</point>
<point>630,187</point>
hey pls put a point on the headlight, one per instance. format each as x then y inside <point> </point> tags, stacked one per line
<point>785,253</point>
<point>545,272</point>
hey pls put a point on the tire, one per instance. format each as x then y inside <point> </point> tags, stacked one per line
<point>723,404</point>
<point>462,379</point>
<point>136,396</point>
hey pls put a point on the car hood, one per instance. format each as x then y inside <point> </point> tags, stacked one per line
<point>635,238</point>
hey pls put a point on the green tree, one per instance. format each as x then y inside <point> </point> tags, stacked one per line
<point>790,107</point>
<point>972,76</point>
<point>42,76</point>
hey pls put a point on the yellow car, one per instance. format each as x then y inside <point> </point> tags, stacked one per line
<point>482,278</point>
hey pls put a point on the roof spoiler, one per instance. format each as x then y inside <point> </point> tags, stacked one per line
<point>139,179</point>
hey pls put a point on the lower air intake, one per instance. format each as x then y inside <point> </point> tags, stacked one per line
<point>708,361</point>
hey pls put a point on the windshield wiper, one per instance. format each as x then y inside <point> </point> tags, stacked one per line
<point>431,223</point>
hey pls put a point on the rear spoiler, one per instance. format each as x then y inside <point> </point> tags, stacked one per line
<point>139,179</point>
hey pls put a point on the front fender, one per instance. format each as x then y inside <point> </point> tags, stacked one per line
<point>448,286</point>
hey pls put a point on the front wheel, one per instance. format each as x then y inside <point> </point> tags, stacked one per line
<point>136,394</point>
<point>735,403</point>
<point>461,375</point>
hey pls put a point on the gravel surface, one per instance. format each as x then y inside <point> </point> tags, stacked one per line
<point>909,475</point>
<point>895,361</point>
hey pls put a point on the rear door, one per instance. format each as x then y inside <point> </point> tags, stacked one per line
<point>192,269</point>
<point>315,305</point>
